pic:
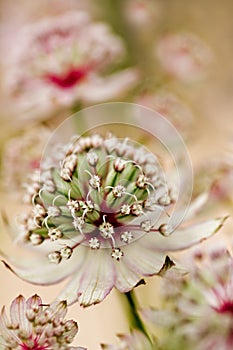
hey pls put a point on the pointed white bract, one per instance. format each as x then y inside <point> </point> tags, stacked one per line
<point>32,325</point>
<point>98,218</point>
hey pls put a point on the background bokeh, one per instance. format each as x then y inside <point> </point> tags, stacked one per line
<point>140,24</point>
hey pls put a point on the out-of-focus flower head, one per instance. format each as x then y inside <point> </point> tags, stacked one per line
<point>60,60</point>
<point>134,341</point>
<point>33,325</point>
<point>142,13</point>
<point>216,177</point>
<point>198,308</point>
<point>22,155</point>
<point>170,106</point>
<point>98,216</point>
<point>184,56</point>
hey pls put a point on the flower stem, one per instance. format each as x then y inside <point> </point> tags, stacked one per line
<point>134,317</point>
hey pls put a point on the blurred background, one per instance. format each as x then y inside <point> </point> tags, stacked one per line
<point>58,57</point>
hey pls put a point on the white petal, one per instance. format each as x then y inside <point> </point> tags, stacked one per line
<point>41,271</point>
<point>182,239</point>
<point>143,261</point>
<point>126,279</point>
<point>94,279</point>
<point>4,322</point>
<point>18,313</point>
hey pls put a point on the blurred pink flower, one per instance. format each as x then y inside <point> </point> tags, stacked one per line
<point>35,326</point>
<point>98,216</point>
<point>215,176</point>
<point>142,13</point>
<point>58,60</point>
<point>170,106</point>
<point>198,308</point>
<point>184,56</point>
<point>22,155</point>
<point>134,341</point>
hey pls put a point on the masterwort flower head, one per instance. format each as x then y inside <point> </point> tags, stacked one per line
<point>60,61</point>
<point>170,106</point>
<point>134,341</point>
<point>199,310</point>
<point>184,56</point>
<point>33,325</point>
<point>95,218</point>
<point>21,155</point>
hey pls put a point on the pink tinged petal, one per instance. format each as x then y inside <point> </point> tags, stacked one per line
<point>143,261</point>
<point>94,280</point>
<point>98,89</point>
<point>126,279</point>
<point>5,332</point>
<point>182,239</point>
<point>18,313</point>
<point>43,272</point>
<point>34,303</point>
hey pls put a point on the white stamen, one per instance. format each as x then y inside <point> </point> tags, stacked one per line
<point>54,234</point>
<point>53,211</point>
<point>117,254</point>
<point>127,237</point>
<point>141,181</point>
<point>118,191</point>
<point>94,243</point>
<point>146,225</point>
<point>55,257</point>
<point>95,182</point>
<point>125,209</point>
<point>66,252</point>
<point>78,223</point>
<point>66,174</point>
<point>35,238</point>
<point>106,229</point>
<point>92,158</point>
<point>136,209</point>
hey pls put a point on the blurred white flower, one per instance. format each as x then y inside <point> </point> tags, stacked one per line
<point>98,216</point>
<point>33,325</point>
<point>58,59</point>
<point>198,308</point>
<point>184,56</point>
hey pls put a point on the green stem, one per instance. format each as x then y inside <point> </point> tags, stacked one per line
<point>134,317</point>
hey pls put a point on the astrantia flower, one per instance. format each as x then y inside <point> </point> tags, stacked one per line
<point>94,219</point>
<point>37,327</point>
<point>216,176</point>
<point>134,341</point>
<point>183,55</point>
<point>170,106</point>
<point>199,307</point>
<point>61,60</point>
<point>22,155</point>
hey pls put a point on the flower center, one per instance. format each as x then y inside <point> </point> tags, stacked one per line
<point>68,79</point>
<point>103,191</point>
<point>226,307</point>
<point>34,346</point>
